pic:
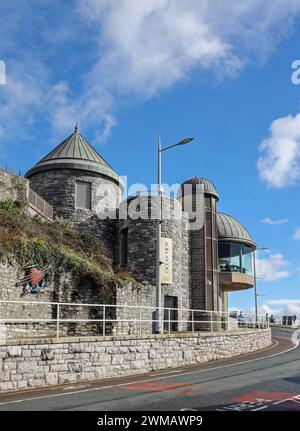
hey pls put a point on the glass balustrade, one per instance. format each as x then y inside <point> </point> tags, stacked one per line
<point>235,257</point>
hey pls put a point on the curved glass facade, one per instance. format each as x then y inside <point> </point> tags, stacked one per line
<point>235,257</point>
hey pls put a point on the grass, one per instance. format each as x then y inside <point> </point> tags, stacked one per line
<point>29,240</point>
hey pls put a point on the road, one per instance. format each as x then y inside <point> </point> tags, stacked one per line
<point>265,380</point>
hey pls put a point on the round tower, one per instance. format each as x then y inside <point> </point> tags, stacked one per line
<point>76,180</point>
<point>137,248</point>
<point>199,199</point>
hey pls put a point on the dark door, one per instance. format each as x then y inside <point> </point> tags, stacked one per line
<point>170,313</point>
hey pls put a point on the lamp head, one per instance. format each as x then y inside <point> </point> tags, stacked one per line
<point>185,141</point>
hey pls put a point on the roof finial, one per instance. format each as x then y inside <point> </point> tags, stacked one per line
<point>76,127</point>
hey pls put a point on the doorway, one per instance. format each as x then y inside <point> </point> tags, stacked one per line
<point>170,315</point>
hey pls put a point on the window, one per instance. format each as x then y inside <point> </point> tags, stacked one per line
<point>248,260</point>
<point>84,195</point>
<point>235,257</point>
<point>208,202</point>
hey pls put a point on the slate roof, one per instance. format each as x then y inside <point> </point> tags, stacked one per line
<point>75,152</point>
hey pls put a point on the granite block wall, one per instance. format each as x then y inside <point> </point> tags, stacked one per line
<point>33,364</point>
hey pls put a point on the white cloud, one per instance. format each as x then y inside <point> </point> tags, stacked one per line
<point>22,96</point>
<point>150,45</point>
<point>279,163</point>
<point>279,308</point>
<point>161,41</point>
<point>136,49</point>
<point>142,48</point>
<point>296,235</point>
<point>109,123</point>
<point>272,268</point>
<point>2,73</point>
<point>270,221</point>
<point>285,307</point>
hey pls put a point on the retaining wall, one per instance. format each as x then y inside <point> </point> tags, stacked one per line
<point>26,364</point>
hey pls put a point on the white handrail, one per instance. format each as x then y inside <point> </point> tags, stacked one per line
<point>212,319</point>
<point>82,304</point>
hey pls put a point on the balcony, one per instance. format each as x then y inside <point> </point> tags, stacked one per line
<point>234,281</point>
<point>236,269</point>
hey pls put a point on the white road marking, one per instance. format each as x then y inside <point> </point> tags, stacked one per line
<point>147,380</point>
<point>167,372</point>
<point>189,410</point>
<point>74,387</point>
<point>294,399</point>
<point>260,408</point>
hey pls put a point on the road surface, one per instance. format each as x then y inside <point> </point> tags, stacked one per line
<point>265,380</point>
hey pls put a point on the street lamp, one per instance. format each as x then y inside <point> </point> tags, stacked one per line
<point>255,279</point>
<point>159,219</point>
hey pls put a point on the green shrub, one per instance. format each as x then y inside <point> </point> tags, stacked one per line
<point>29,240</point>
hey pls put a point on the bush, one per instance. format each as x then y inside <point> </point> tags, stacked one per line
<point>29,240</point>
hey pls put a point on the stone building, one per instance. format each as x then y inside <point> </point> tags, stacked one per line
<point>210,253</point>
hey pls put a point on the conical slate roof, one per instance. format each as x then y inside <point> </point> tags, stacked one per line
<point>75,152</point>
<point>231,229</point>
<point>208,187</point>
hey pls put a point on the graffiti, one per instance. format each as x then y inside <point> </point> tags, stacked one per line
<point>35,280</point>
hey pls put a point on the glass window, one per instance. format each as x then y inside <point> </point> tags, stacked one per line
<point>235,257</point>
<point>248,260</point>
<point>208,202</point>
<point>83,195</point>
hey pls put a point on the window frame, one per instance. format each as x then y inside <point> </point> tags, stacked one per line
<point>90,193</point>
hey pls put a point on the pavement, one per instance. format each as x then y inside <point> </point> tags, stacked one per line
<point>265,380</point>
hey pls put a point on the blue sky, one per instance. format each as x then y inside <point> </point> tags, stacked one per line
<point>127,71</point>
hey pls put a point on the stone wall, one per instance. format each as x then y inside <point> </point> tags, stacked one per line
<point>12,186</point>
<point>104,230</point>
<point>64,288</point>
<point>141,246</point>
<point>16,188</point>
<point>58,187</point>
<point>50,362</point>
<point>70,288</point>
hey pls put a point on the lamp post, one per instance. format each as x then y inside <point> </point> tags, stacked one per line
<point>159,220</point>
<point>255,280</point>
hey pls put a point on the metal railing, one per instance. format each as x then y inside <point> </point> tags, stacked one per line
<point>112,319</point>
<point>40,205</point>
